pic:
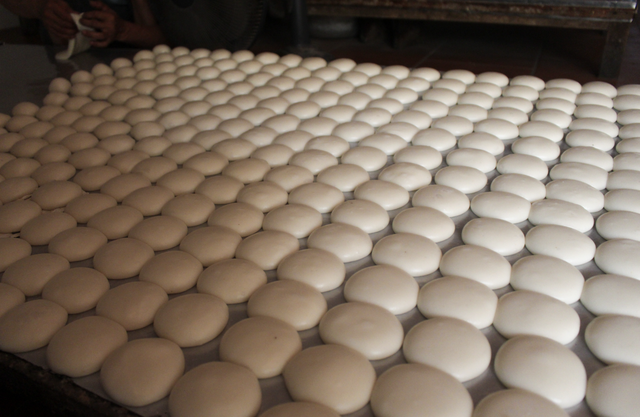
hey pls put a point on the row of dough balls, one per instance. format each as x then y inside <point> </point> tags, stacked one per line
<point>161,361</point>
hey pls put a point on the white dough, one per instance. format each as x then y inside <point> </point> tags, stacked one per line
<point>77,244</point>
<point>536,146</point>
<point>589,174</point>
<point>314,160</point>
<point>16,214</point>
<point>446,199</point>
<point>220,189</point>
<point>211,244</point>
<point>501,205</point>
<point>619,225</point>
<point>514,402</point>
<point>458,298</point>
<point>142,371</point>
<point>593,138</point>
<point>262,344</point>
<point>548,275</point>
<point>625,179</point>
<point>383,285</point>
<point>232,280</point>
<point>500,128</point>
<point>320,269</point>
<point>588,155</point>
<point>30,274</point>
<point>552,319</point>
<point>191,320</point>
<point>293,302</point>
<point>545,367</point>
<point>76,289</point>
<point>132,305</point>
<point>219,387</point>
<point>617,256</point>
<point>192,209</point>
<point>576,192</point>
<point>562,213</point>
<point>495,234</point>
<point>553,116</point>
<point>450,345</point>
<point>475,158</point>
<point>267,248</point>
<point>622,199</point>
<point>388,195</point>
<point>122,258</point>
<point>456,125</point>
<point>614,391</point>
<point>425,156</point>
<point>31,325</point>
<point>331,375</point>
<point>345,177</point>
<point>159,232</point>
<point>523,164</point>
<point>371,330</point>
<point>264,195</point>
<point>174,271</point>
<point>347,242</point>
<point>465,179</point>
<point>322,197</point>
<point>477,263</point>
<point>295,219</point>
<point>415,254</point>
<point>115,222</point>
<point>299,408</point>
<point>424,221</point>
<point>413,389</point>
<point>611,294</point>
<point>10,297</point>
<point>81,347</point>
<point>388,143</point>
<point>483,141</point>
<point>243,218</point>
<point>614,339</point>
<point>439,139</point>
<point>364,214</point>
<point>561,242</point>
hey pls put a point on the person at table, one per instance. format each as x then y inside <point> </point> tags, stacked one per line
<point>126,21</point>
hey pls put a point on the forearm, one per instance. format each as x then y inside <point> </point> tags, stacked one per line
<point>30,9</point>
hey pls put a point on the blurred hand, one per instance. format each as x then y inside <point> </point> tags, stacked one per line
<point>108,25</point>
<point>56,18</point>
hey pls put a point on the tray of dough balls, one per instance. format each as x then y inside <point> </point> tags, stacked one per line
<point>198,233</point>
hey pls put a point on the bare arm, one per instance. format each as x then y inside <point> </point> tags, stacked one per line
<point>143,32</point>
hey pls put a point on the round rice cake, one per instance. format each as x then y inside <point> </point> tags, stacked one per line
<point>232,280</point>
<point>191,319</point>
<point>76,289</point>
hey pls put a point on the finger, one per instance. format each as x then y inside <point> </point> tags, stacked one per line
<point>62,15</point>
<point>95,14</point>
<point>100,44</point>
<point>94,35</point>
<point>68,32</point>
<point>96,24</point>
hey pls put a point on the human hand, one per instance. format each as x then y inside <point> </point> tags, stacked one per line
<point>56,18</point>
<point>108,25</point>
